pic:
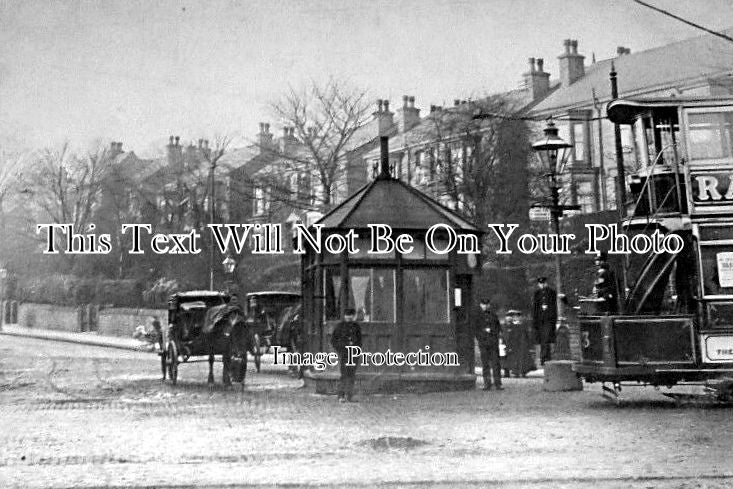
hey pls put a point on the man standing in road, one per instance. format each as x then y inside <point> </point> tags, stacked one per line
<point>544,318</point>
<point>487,330</point>
<point>346,333</point>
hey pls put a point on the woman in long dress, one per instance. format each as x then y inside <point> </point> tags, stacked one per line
<point>518,343</point>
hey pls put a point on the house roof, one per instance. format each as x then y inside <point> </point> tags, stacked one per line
<point>392,202</point>
<point>672,65</point>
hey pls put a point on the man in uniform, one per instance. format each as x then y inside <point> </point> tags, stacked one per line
<point>544,318</point>
<point>346,333</point>
<point>487,330</point>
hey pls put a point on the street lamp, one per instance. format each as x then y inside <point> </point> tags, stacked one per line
<point>229,265</point>
<point>554,152</point>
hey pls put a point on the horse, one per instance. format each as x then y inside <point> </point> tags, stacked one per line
<point>233,337</point>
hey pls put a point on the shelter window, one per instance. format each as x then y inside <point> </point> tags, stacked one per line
<point>370,291</point>
<point>426,296</point>
<point>364,245</point>
<point>710,135</point>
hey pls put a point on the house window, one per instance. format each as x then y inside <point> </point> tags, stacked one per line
<point>261,201</point>
<point>579,142</point>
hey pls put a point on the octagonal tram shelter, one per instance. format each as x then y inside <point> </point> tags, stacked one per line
<point>405,302</point>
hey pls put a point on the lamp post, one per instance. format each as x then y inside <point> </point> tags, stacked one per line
<point>230,264</point>
<point>554,152</point>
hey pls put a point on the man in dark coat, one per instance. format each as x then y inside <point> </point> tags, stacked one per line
<point>346,333</point>
<point>544,318</point>
<point>487,330</point>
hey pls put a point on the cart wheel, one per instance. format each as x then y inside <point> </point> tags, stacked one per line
<point>257,351</point>
<point>172,358</point>
<point>163,363</point>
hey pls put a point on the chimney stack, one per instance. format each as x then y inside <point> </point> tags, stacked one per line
<point>384,158</point>
<point>572,64</point>
<point>175,152</point>
<point>620,51</point>
<point>264,138</point>
<point>408,115</point>
<point>536,81</point>
<point>385,119</point>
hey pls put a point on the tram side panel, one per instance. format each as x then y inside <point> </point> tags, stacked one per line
<point>657,349</point>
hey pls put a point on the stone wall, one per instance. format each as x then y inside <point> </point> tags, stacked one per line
<point>109,322</point>
<point>123,321</point>
<point>46,316</point>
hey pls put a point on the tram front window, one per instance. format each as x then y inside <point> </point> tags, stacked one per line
<point>710,135</point>
<point>717,270</point>
<point>720,315</point>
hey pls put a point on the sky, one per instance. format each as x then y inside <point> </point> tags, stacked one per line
<point>90,72</point>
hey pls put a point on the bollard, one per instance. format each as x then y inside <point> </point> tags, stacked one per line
<point>562,342</point>
<point>559,376</point>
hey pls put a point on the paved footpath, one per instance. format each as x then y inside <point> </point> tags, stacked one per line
<point>83,416</point>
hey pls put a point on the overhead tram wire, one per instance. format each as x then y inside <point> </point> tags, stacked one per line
<point>685,21</point>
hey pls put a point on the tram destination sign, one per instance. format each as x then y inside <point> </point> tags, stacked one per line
<point>712,191</point>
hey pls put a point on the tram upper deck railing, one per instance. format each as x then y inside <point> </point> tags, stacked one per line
<point>684,151</point>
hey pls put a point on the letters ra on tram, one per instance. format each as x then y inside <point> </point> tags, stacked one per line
<point>675,322</point>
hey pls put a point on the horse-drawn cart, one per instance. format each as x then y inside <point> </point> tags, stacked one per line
<point>207,323</point>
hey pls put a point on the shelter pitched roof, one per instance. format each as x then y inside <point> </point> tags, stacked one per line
<point>392,202</point>
<point>655,69</point>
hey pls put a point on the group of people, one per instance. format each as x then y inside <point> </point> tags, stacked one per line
<point>488,331</point>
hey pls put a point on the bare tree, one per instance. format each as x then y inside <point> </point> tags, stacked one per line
<point>323,118</point>
<point>64,187</point>
<point>481,166</point>
<point>185,186</point>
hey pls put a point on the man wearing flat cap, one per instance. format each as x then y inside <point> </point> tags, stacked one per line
<point>544,318</point>
<point>487,330</point>
<point>346,333</point>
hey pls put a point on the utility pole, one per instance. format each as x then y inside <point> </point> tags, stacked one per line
<point>212,204</point>
<point>621,171</point>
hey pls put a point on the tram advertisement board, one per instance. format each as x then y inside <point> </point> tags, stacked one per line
<point>718,348</point>
<point>712,191</point>
<point>725,269</point>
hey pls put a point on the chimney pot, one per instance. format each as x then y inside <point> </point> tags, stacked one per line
<point>531,65</point>
<point>412,102</point>
<point>540,65</point>
<point>267,127</point>
<point>206,143</point>
<point>170,140</point>
<point>380,104</point>
<point>456,102</point>
<point>386,105</point>
<point>178,138</point>
<point>112,146</point>
<point>574,45</point>
<point>566,43</point>
<point>405,99</point>
<point>119,146</point>
<point>201,143</point>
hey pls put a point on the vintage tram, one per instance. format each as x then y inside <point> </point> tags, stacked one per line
<point>674,323</point>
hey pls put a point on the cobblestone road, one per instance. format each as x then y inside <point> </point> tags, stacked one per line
<point>81,416</point>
